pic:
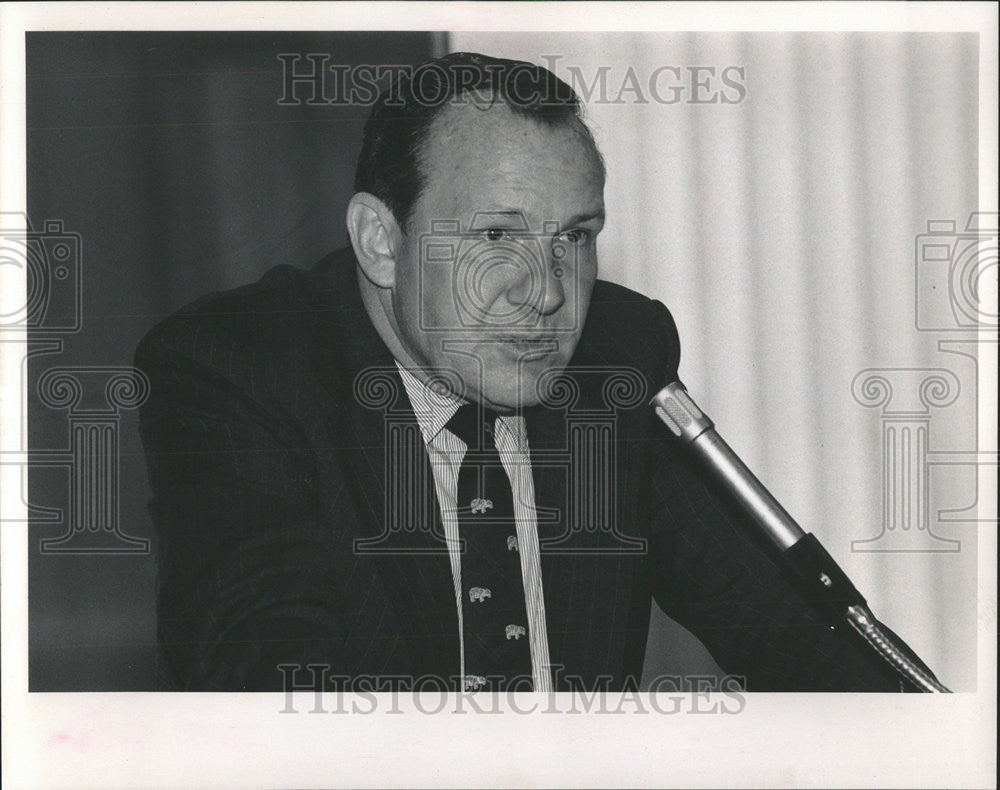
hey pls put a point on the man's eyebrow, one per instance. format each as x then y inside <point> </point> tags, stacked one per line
<point>482,219</point>
<point>576,219</point>
<point>508,212</point>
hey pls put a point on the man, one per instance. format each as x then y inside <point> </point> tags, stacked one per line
<point>432,455</point>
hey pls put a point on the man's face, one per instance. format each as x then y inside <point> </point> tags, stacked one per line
<point>494,276</point>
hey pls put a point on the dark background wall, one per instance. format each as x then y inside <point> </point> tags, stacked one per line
<point>170,156</point>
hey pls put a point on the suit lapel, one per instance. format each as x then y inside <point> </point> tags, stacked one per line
<point>384,457</point>
<point>547,440</point>
<point>587,574</point>
<point>383,452</point>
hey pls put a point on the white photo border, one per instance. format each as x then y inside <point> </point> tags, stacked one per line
<point>210,740</point>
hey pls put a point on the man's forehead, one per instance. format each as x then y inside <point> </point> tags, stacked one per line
<point>502,162</point>
<point>487,201</point>
<point>501,137</point>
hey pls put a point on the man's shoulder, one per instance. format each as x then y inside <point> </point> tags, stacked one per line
<point>275,312</point>
<point>610,294</point>
<point>615,304</point>
<point>627,327</point>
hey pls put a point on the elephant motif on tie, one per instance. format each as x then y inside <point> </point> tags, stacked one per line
<point>515,631</point>
<point>481,505</point>
<point>479,594</point>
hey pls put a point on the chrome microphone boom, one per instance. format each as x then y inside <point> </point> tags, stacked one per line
<point>822,581</point>
<point>690,424</point>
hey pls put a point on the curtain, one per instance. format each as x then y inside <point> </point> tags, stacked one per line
<point>774,190</point>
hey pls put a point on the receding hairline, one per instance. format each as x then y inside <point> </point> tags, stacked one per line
<point>447,120</point>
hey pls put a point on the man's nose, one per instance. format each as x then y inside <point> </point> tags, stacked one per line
<point>539,285</point>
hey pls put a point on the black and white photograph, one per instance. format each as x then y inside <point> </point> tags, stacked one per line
<point>601,394</point>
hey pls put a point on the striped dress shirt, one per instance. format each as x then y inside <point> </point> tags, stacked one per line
<point>446,451</point>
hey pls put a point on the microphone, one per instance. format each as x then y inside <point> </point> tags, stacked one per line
<point>821,580</point>
<point>689,423</point>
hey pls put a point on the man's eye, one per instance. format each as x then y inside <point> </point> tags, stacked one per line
<point>577,236</point>
<point>494,234</point>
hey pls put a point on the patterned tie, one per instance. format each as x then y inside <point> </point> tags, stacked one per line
<point>495,619</point>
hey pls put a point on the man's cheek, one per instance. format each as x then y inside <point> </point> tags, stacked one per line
<point>480,290</point>
<point>434,308</point>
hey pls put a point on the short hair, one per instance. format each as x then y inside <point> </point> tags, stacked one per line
<point>398,128</point>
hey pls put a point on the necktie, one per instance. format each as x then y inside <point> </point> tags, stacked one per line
<point>495,621</point>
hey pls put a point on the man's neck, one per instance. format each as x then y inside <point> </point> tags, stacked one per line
<point>378,311</point>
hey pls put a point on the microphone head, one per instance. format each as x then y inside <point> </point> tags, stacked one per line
<point>681,414</point>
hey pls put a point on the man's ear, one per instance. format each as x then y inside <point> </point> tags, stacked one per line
<point>375,236</point>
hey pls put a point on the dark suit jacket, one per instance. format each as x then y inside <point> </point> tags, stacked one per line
<point>275,420</point>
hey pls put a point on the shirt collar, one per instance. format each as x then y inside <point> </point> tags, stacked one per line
<point>431,408</point>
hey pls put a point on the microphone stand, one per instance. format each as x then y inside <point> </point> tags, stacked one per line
<point>820,578</point>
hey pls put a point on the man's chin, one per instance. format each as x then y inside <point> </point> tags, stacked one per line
<point>518,392</point>
<point>508,404</point>
<point>508,377</point>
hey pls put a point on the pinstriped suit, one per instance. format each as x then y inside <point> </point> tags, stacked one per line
<point>267,457</point>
